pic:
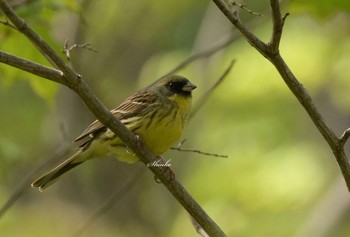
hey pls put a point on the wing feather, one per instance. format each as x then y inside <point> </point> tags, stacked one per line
<point>130,107</point>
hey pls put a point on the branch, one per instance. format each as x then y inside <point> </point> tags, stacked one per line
<point>277,22</point>
<point>344,137</point>
<point>68,49</point>
<point>236,21</point>
<point>179,148</point>
<point>206,95</point>
<point>244,7</point>
<point>271,52</point>
<point>75,82</point>
<point>206,53</point>
<point>216,48</point>
<point>32,67</point>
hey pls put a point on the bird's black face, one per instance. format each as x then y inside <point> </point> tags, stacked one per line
<point>180,85</point>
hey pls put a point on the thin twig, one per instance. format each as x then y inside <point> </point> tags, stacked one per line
<point>236,21</point>
<point>244,7</point>
<point>212,50</point>
<point>204,54</point>
<point>68,49</point>
<point>179,148</point>
<point>344,137</point>
<point>205,96</point>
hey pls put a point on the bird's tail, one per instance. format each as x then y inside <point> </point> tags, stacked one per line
<point>53,175</point>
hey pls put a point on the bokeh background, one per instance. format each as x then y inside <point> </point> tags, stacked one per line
<point>280,178</point>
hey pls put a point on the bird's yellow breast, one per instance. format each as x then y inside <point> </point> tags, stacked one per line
<point>167,128</point>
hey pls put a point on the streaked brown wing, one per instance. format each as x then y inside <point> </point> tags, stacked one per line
<point>130,107</point>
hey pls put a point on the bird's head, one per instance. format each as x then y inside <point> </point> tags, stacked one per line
<point>175,85</point>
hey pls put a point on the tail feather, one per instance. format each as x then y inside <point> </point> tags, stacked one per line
<point>53,175</point>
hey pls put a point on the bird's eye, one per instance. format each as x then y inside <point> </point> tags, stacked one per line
<point>171,85</point>
<point>178,85</point>
<point>175,87</point>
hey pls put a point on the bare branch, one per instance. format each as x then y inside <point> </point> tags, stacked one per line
<point>206,53</point>
<point>278,23</point>
<point>212,50</point>
<point>271,52</point>
<point>32,67</point>
<point>235,20</point>
<point>68,49</point>
<point>244,7</point>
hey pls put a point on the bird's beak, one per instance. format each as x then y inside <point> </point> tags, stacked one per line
<point>189,87</point>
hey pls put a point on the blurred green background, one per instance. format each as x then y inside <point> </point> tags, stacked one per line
<point>280,179</point>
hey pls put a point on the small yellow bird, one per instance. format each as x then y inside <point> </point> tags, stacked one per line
<point>157,114</point>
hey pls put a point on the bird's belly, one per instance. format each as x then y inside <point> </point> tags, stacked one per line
<point>157,138</point>
<point>162,136</point>
<point>111,146</point>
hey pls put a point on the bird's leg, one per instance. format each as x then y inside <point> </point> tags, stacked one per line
<point>139,144</point>
<point>139,141</point>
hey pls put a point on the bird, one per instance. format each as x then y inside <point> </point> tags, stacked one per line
<point>157,114</point>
